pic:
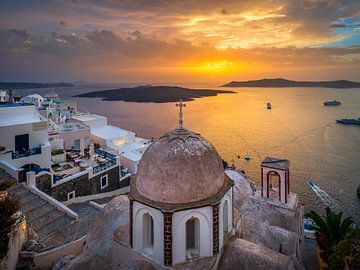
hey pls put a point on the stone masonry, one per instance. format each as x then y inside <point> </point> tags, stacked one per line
<point>215,229</point>
<point>167,238</point>
<point>83,185</point>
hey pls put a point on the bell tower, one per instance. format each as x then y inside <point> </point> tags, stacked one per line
<point>275,179</point>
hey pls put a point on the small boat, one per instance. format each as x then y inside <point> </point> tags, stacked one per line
<point>310,183</point>
<point>268,105</point>
<point>247,158</point>
<point>332,103</point>
<point>349,121</point>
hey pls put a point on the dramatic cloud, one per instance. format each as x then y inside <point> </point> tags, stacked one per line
<point>184,40</point>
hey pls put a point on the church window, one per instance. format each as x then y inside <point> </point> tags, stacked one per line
<point>104,181</point>
<point>148,224</point>
<point>192,237</point>
<point>225,220</point>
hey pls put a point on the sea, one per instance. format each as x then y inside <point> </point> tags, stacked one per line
<point>298,128</point>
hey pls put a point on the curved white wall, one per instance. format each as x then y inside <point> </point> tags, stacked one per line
<point>227,197</point>
<point>139,210</point>
<point>204,214</point>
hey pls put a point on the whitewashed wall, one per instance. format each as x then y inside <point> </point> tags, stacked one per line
<point>227,197</point>
<point>139,210</point>
<point>204,214</point>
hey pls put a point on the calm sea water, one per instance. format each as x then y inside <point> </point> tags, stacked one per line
<point>298,128</point>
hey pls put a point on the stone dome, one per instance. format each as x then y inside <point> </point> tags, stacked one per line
<point>181,167</point>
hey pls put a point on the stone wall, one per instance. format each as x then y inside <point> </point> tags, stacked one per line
<point>167,238</point>
<point>215,229</point>
<point>82,185</point>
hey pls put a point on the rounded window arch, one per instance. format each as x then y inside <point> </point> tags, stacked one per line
<point>274,185</point>
<point>148,233</point>
<point>192,237</point>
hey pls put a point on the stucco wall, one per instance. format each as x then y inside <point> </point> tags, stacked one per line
<point>139,210</point>
<point>45,260</point>
<point>204,214</point>
<point>70,137</point>
<point>227,198</point>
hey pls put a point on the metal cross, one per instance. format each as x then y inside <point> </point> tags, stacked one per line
<point>181,105</point>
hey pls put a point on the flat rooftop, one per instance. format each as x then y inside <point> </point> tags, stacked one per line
<point>19,119</point>
<point>15,104</point>
<point>88,117</point>
<point>109,132</point>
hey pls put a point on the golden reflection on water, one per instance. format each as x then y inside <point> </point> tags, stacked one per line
<point>298,128</point>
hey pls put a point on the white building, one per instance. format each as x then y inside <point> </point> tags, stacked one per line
<point>124,142</point>
<point>35,99</point>
<point>181,200</point>
<point>4,97</point>
<point>24,140</point>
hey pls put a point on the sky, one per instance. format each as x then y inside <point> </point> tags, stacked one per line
<point>151,41</point>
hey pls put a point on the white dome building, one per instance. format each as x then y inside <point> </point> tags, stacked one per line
<point>181,200</point>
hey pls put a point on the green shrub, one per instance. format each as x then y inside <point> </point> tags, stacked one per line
<point>57,152</point>
<point>97,145</point>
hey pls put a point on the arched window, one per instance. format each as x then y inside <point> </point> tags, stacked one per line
<point>274,185</point>
<point>192,237</point>
<point>148,233</point>
<point>225,220</point>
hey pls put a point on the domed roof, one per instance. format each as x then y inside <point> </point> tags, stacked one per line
<point>181,167</point>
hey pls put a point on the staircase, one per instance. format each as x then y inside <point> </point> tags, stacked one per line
<point>41,216</point>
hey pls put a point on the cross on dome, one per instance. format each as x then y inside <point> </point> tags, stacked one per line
<point>181,105</point>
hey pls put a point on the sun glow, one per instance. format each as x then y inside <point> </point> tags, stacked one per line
<point>213,67</point>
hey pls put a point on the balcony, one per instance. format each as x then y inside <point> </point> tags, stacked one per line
<point>26,153</point>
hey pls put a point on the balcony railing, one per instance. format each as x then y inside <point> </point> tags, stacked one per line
<point>104,166</point>
<point>26,153</point>
<point>104,154</point>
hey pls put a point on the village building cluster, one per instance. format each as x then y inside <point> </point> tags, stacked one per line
<point>167,203</point>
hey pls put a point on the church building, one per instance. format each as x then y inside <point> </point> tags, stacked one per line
<point>181,199</point>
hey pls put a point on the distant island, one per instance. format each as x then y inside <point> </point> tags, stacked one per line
<point>26,85</point>
<point>280,82</point>
<point>157,94</point>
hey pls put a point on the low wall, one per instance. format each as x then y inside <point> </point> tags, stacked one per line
<point>31,183</point>
<point>81,199</point>
<point>45,259</point>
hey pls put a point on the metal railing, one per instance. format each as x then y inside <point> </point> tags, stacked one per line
<point>104,166</point>
<point>26,153</point>
<point>104,154</point>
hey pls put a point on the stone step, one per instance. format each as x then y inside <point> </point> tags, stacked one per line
<point>28,198</point>
<point>47,231</point>
<point>32,205</point>
<point>39,212</point>
<point>19,190</point>
<point>49,218</point>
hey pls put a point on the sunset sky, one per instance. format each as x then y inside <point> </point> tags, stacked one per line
<point>178,41</point>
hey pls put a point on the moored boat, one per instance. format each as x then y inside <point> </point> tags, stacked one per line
<point>349,121</point>
<point>332,103</point>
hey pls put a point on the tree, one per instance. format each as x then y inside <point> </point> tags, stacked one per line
<point>347,248</point>
<point>9,205</point>
<point>225,164</point>
<point>330,229</point>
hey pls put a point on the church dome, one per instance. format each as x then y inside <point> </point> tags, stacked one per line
<point>181,167</point>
